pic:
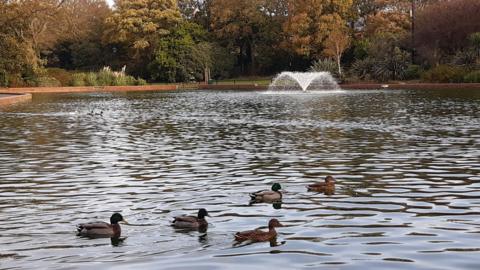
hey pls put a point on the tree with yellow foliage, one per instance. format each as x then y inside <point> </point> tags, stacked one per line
<point>309,23</point>
<point>336,43</point>
<point>139,23</point>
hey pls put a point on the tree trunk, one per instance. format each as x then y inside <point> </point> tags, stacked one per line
<point>338,65</point>
<point>251,58</point>
<point>241,59</point>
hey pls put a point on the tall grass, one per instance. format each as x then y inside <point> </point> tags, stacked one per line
<point>105,77</point>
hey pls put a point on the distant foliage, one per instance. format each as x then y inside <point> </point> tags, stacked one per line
<point>475,43</point>
<point>223,62</point>
<point>393,67</point>
<point>47,82</point>
<point>61,75</point>
<point>3,78</point>
<point>78,79</point>
<point>413,72</point>
<point>182,56</point>
<point>466,58</point>
<point>385,60</point>
<point>444,28</point>
<point>363,68</point>
<point>444,74</point>
<point>472,77</point>
<point>325,64</point>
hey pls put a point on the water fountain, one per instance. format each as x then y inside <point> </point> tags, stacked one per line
<point>304,81</point>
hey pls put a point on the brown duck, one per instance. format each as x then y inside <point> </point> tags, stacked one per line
<point>328,186</point>
<point>102,229</point>
<point>258,235</point>
<point>191,222</point>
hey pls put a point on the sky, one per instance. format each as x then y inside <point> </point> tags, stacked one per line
<point>110,2</point>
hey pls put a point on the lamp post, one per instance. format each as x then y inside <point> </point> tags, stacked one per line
<point>412,16</point>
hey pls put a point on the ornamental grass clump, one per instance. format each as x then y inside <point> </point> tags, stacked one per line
<point>78,79</point>
<point>91,79</point>
<point>105,77</point>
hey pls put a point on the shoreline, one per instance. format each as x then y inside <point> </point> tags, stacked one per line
<point>411,86</point>
<point>195,86</point>
<point>14,98</point>
<point>9,96</point>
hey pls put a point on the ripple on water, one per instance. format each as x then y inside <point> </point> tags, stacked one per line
<point>407,194</point>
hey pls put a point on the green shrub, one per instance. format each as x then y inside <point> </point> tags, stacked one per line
<point>130,80</point>
<point>325,65</point>
<point>91,79</point>
<point>472,77</point>
<point>467,58</point>
<point>444,74</point>
<point>413,72</point>
<point>46,81</point>
<point>15,81</point>
<point>140,81</point>
<point>363,68</point>
<point>3,78</point>
<point>78,79</point>
<point>62,76</point>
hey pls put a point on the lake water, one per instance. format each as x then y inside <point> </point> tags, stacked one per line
<point>407,165</point>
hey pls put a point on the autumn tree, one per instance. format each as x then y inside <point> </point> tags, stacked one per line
<point>310,22</point>
<point>81,46</point>
<point>27,29</point>
<point>239,25</point>
<point>140,23</point>
<point>444,29</point>
<point>197,11</point>
<point>336,43</point>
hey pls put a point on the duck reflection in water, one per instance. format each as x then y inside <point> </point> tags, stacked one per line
<point>117,241</point>
<point>277,205</point>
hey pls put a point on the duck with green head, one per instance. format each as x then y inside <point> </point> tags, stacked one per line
<point>269,196</point>
<point>102,229</point>
<point>192,222</point>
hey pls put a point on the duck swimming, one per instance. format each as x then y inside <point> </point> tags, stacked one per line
<point>102,229</point>
<point>273,195</point>
<point>328,186</point>
<point>191,222</point>
<point>258,235</point>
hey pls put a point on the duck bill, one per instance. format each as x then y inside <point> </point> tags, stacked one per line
<point>125,222</point>
<point>280,225</point>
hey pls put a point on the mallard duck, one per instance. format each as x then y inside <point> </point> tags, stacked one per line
<point>328,186</point>
<point>273,195</point>
<point>191,222</point>
<point>102,229</point>
<point>259,235</point>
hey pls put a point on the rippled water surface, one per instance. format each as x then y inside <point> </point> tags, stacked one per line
<point>407,165</point>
